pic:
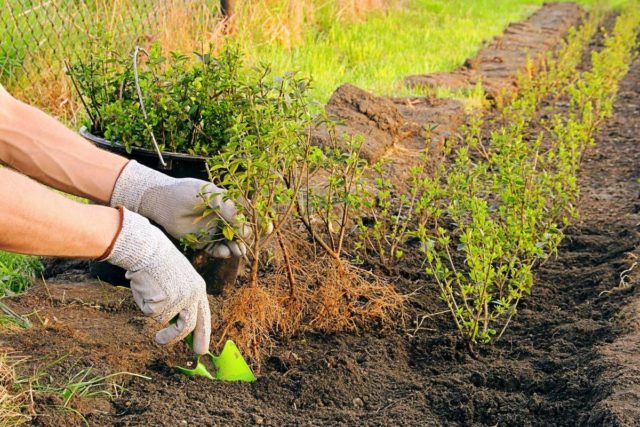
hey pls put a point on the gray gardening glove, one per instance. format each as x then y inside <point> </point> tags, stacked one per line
<point>163,282</point>
<point>177,205</point>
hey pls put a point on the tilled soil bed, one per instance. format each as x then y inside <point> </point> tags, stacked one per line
<point>571,357</point>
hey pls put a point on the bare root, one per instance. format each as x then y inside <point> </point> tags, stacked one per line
<point>330,296</point>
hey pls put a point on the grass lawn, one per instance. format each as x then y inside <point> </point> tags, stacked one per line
<point>423,36</point>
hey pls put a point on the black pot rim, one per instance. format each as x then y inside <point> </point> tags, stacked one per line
<point>115,146</point>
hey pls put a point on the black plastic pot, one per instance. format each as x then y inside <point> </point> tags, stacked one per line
<point>218,273</point>
<point>178,165</point>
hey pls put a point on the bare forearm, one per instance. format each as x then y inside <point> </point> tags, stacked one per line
<point>37,221</point>
<point>41,147</point>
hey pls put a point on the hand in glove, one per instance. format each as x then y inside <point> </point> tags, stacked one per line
<point>163,282</point>
<point>177,205</point>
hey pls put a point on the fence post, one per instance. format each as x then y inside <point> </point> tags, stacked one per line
<point>227,8</point>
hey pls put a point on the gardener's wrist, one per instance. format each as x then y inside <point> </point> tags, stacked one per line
<point>115,232</point>
<point>98,227</point>
<point>133,245</point>
<point>133,183</point>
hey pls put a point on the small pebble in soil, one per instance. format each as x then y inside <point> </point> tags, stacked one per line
<point>358,403</point>
<point>258,419</point>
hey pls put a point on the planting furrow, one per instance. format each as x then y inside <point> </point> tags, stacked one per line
<point>510,206</point>
<point>611,195</point>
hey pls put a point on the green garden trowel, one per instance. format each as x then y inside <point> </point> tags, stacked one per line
<point>230,365</point>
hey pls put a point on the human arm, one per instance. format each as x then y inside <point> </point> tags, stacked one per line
<point>41,147</point>
<point>37,221</point>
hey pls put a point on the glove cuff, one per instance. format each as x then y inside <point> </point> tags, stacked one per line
<point>132,184</point>
<point>135,245</point>
<point>115,238</point>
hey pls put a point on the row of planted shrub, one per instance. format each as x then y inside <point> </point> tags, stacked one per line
<point>503,206</point>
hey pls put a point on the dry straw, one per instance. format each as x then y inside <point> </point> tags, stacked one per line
<point>10,403</point>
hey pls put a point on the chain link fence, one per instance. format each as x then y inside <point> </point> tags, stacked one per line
<point>38,36</point>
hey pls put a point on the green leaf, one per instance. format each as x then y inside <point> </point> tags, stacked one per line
<point>228,232</point>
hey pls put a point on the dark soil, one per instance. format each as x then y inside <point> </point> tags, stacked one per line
<point>571,357</point>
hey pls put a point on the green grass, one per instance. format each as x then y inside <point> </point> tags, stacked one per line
<point>12,44</point>
<point>17,272</point>
<point>425,36</point>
